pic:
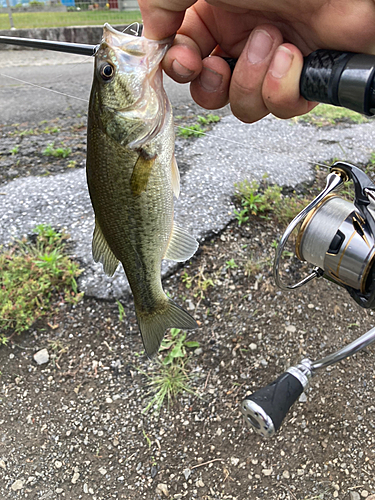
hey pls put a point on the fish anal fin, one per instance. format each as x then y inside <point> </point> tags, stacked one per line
<point>181,245</point>
<point>175,177</point>
<point>102,253</point>
<point>141,174</point>
<point>154,325</point>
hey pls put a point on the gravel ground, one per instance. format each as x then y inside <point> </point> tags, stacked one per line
<point>74,427</point>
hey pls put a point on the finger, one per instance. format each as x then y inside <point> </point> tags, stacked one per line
<point>211,89</point>
<point>183,61</point>
<point>160,22</point>
<point>245,93</point>
<point>280,91</point>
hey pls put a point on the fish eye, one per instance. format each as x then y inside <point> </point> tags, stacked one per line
<point>107,71</point>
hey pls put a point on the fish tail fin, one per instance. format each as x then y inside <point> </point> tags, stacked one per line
<point>153,325</point>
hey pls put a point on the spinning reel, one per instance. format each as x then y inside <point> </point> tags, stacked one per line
<point>338,237</point>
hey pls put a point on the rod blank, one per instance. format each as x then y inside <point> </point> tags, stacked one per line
<point>71,48</point>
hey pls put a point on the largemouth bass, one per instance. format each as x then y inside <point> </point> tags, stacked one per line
<point>132,175</point>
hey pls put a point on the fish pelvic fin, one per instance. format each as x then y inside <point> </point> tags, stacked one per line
<point>181,245</point>
<point>154,325</point>
<point>102,253</point>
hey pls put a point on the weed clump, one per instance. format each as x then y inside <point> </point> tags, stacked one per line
<point>34,276</point>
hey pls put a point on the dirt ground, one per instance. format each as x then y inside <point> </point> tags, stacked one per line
<point>74,428</point>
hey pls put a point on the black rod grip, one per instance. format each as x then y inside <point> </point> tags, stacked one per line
<point>343,79</point>
<point>265,409</point>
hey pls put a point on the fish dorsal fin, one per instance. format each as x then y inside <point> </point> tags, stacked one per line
<point>175,177</point>
<point>181,245</point>
<point>153,325</point>
<point>102,253</point>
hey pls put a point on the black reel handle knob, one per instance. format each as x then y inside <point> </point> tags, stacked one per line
<point>265,409</point>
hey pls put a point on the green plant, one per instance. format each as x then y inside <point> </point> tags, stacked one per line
<point>207,120</point>
<point>192,131</point>
<point>51,130</point>
<point>169,381</point>
<point>61,152</point>
<point>176,346</point>
<point>200,281</point>
<point>266,202</point>
<point>121,311</point>
<point>34,276</point>
<point>231,264</point>
<point>72,164</point>
<point>14,150</point>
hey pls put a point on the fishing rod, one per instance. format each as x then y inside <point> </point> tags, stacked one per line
<point>343,79</point>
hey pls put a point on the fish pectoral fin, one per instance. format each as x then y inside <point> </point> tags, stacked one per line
<point>141,174</point>
<point>154,325</point>
<point>175,177</point>
<point>102,253</point>
<point>181,245</point>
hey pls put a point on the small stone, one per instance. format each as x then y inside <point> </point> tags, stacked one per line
<point>300,472</point>
<point>154,471</point>
<point>253,347</point>
<point>59,490</point>
<point>364,493</point>
<point>162,489</point>
<point>234,461</point>
<point>58,464</point>
<point>371,497</point>
<point>2,464</point>
<point>335,494</point>
<point>354,495</point>
<point>302,398</point>
<point>115,441</point>
<point>200,483</point>
<point>291,328</point>
<point>103,471</point>
<point>85,488</point>
<point>267,472</point>
<point>41,357</point>
<point>186,473</point>
<point>286,474</point>
<point>75,477</point>
<point>310,306</point>
<point>17,485</point>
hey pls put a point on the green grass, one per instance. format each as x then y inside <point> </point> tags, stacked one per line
<point>170,376</point>
<point>56,19</point>
<point>34,277</point>
<point>61,152</point>
<point>325,114</point>
<point>198,129</point>
<point>268,202</point>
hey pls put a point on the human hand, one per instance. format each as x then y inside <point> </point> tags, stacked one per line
<point>268,38</point>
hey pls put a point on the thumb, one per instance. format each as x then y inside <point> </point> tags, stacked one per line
<point>162,19</point>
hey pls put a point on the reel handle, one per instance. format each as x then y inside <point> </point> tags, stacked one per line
<point>265,409</point>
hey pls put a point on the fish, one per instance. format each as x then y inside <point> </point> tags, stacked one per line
<point>132,177</point>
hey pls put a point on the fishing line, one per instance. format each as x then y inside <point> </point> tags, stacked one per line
<point>44,88</point>
<point>242,145</point>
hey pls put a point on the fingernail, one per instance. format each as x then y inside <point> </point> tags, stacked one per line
<point>180,70</point>
<point>210,80</point>
<point>281,62</point>
<point>260,46</point>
